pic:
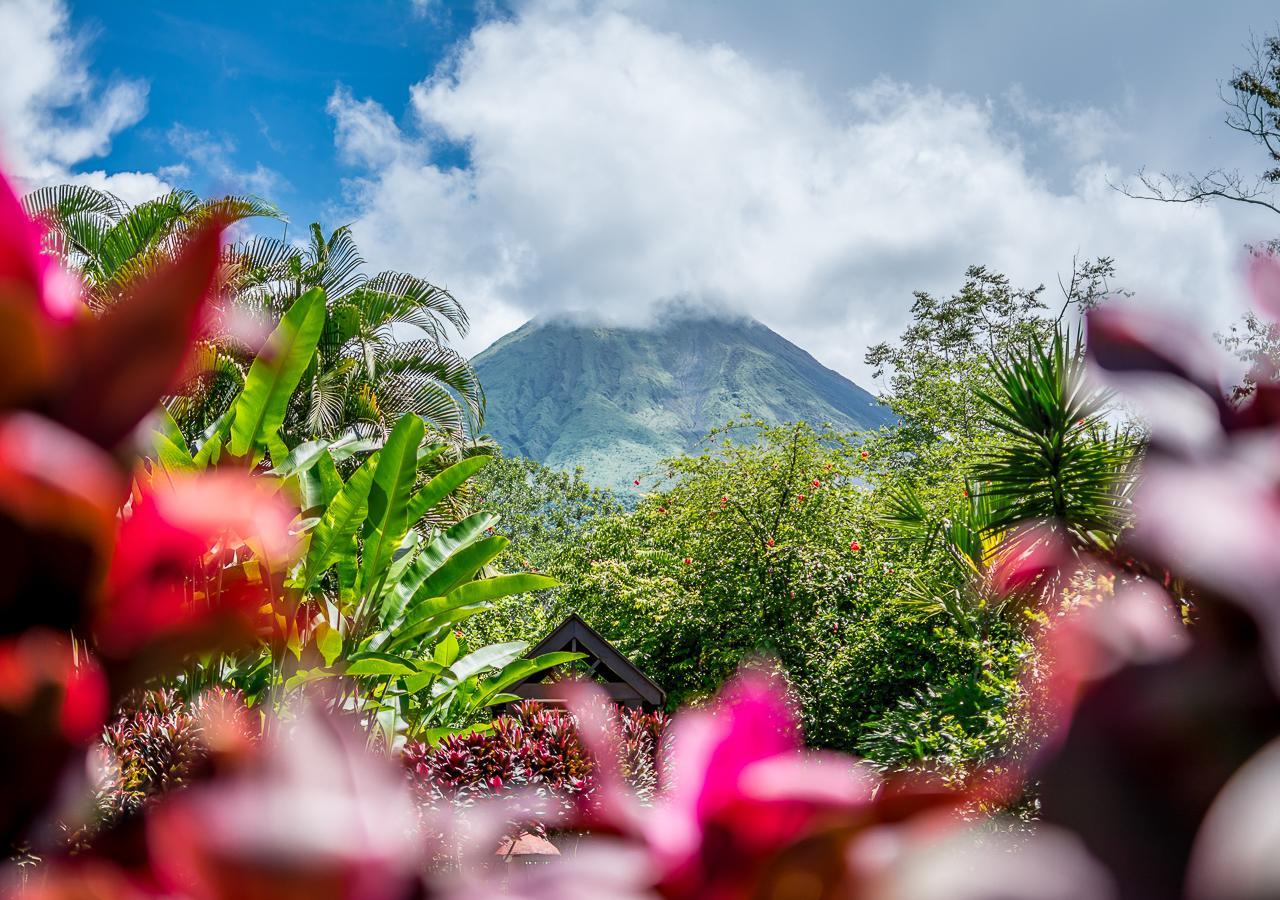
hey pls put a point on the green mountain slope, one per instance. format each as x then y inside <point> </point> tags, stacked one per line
<point>617,400</point>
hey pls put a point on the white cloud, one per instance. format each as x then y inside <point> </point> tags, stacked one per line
<point>213,158</point>
<point>612,166</point>
<point>53,113</point>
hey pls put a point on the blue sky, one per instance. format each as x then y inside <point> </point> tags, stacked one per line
<point>252,79</point>
<point>810,162</point>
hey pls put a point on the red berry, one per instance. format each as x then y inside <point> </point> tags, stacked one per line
<point>636,482</point>
<point>865,454</point>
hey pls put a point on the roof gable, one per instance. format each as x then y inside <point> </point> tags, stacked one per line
<point>622,679</point>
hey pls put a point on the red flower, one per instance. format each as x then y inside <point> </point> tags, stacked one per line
<point>688,561</point>
<point>855,546</point>
<point>770,542</point>
<point>865,454</point>
<point>816,483</point>
<point>724,499</point>
<point>801,498</point>
<point>662,510</point>
<point>194,557</point>
<point>636,482</point>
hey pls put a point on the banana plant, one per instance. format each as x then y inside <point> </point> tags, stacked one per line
<point>381,597</point>
<point>372,604</point>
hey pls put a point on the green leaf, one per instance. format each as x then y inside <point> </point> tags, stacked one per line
<point>434,555</point>
<point>276,372</point>
<point>429,671</point>
<point>447,650</point>
<point>519,670</point>
<point>493,656</point>
<point>462,566</point>
<point>427,620</point>
<point>300,458</point>
<point>329,643</point>
<point>319,483</point>
<point>485,589</point>
<point>343,517</point>
<point>211,446</point>
<point>305,676</point>
<point>166,425</point>
<point>443,485</point>
<point>393,478</point>
<point>173,457</point>
<point>373,662</point>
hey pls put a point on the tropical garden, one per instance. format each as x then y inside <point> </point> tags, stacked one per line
<point>269,588</point>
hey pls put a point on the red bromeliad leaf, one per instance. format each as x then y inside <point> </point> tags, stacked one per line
<point>49,706</point>
<point>36,301</point>
<point>119,364</point>
<point>58,499</point>
<point>193,562</point>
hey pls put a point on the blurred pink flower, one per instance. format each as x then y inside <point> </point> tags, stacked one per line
<point>312,816</point>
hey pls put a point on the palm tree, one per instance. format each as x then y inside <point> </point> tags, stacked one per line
<point>109,242</point>
<point>384,350</point>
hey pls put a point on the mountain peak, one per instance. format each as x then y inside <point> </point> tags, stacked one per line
<point>617,399</point>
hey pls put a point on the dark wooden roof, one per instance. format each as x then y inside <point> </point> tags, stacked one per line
<point>622,680</point>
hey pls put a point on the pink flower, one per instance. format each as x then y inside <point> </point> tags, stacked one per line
<point>311,814</point>
<point>744,791</point>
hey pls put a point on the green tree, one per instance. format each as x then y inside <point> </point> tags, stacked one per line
<point>109,242</point>
<point>545,513</point>
<point>384,350</point>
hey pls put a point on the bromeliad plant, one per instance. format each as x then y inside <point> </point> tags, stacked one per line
<point>374,596</point>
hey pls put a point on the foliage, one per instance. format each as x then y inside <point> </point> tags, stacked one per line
<point>766,544</point>
<point>366,375</point>
<point>371,597</point>
<point>534,749</point>
<point>111,244</point>
<point>544,513</point>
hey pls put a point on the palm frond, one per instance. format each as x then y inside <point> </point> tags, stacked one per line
<point>424,304</point>
<point>1059,460</point>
